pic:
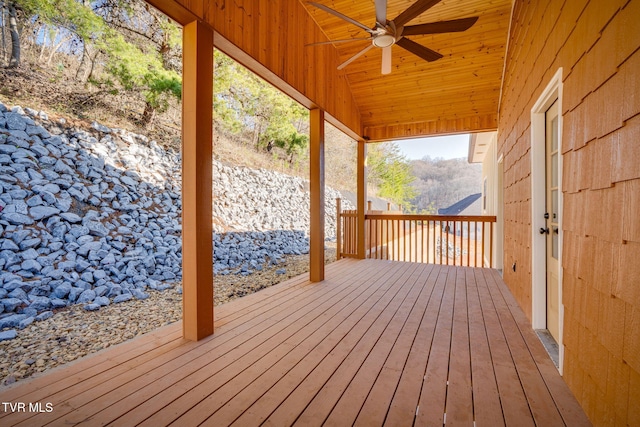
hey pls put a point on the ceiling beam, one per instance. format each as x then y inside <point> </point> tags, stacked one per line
<point>484,123</point>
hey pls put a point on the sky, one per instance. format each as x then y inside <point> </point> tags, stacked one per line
<point>446,147</point>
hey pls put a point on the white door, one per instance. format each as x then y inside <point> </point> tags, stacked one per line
<point>552,229</point>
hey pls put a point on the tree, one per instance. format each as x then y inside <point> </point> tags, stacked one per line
<point>391,172</point>
<point>134,69</point>
<point>244,103</point>
<point>15,37</point>
<point>293,145</point>
<point>137,71</point>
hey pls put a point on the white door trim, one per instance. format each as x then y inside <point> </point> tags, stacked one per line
<point>551,93</point>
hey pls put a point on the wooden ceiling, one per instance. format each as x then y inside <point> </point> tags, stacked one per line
<point>463,86</point>
<point>458,93</point>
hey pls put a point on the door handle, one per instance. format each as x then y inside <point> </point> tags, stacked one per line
<point>544,230</point>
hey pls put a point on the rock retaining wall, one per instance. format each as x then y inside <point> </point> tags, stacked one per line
<point>92,216</point>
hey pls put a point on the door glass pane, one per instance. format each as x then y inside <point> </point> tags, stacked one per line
<point>554,170</point>
<point>554,134</point>
<point>554,206</point>
<point>554,243</point>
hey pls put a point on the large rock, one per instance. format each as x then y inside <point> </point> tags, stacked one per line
<point>41,212</point>
<point>40,303</point>
<point>11,321</point>
<point>8,335</point>
<point>93,221</point>
<point>17,218</point>
<point>15,121</point>
<point>86,296</point>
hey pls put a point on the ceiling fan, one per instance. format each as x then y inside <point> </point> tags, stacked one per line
<point>385,33</point>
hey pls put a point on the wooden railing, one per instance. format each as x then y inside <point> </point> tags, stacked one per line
<point>435,239</point>
<point>346,232</point>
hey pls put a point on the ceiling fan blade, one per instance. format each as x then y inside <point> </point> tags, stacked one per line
<point>386,60</point>
<point>354,57</point>
<point>453,26</point>
<point>339,41</point>
<point>381,11</point>
<point>340,15</point>
<point>414,10</point>
<point>419,50</point>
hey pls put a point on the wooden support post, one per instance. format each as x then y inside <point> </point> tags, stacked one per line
<point>362,197</point>
<point>197,150</point>
<point>316,189</point>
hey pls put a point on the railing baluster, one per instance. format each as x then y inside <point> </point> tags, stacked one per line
<point>386,239</point>
<point>468,242</point>
<point>416,240</point>
<point>475,243</point>
<point>402,238</point>
<point>491,245</point>
<point>482,259</point>
<point>441,248</point>
<point>377,241</point>
<point>425,243</point>
<point>404,241</point>
<point>393,241</point>
<point>410,233</point>
<point>455,237</point>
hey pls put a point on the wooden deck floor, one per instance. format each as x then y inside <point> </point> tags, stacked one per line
<point>378,342</point>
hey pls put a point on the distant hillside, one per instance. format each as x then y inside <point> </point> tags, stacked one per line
<point>441,183</point>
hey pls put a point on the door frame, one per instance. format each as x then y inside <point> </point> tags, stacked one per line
<point>551,94</point>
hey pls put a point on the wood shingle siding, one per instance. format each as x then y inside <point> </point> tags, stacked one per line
<point>596,44</point>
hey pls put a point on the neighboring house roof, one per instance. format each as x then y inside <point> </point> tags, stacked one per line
<point>460,206</point>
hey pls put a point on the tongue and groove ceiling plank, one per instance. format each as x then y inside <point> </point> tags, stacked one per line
<point>457,93</point>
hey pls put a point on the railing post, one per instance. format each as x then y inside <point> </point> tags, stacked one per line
<point>338,229</point>
<point>368,205</point>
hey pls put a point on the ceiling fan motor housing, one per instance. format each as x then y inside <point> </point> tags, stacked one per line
<point>383,40</point>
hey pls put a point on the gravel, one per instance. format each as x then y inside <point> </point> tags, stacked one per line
<point>75,332</point>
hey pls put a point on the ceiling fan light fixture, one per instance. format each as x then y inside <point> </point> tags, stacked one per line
<point>383,40</point>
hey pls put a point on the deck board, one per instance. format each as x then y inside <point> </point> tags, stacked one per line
<point>376,343</point>
<point>285,385</point>
<point>385,386</point>
<point>405,400</point>
<point>487,407</point>
<point>431,405</point>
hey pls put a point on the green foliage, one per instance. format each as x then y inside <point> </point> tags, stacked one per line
<point>245,103</point>
<point>391,172</point>
<point>137,71</point>
<point>68,14</point>
<point>134,69</point>
<point>295,144</point>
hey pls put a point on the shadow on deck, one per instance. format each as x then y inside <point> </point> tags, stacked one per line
<point>378,342</point>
